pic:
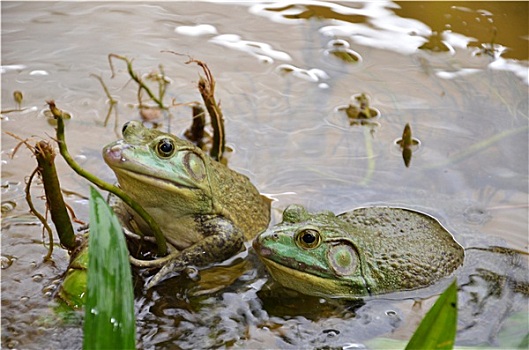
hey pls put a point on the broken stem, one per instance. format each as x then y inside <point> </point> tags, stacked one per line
<point>59,215</point>
<point>206,86</point>
<point>195,132</point>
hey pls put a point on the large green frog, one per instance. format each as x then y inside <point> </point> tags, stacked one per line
<point>203,208</point>
<point>363,252</point>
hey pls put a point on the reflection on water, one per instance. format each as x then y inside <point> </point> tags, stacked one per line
<point>449,70</point>
<point>477,25</point>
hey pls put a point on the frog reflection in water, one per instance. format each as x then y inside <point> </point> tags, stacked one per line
<point>359,253</point>
<point>203,208</point>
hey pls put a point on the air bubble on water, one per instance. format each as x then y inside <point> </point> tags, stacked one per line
<point>354,346</point>
<point>38,72</point>
<point>6,261</point>
<point>37,278</point>
<point>331,332</point>
<point>8,206</point>
<point>391,313</point>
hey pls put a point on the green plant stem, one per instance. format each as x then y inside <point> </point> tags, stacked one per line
<point>158,235</point>
<point>136,78</point>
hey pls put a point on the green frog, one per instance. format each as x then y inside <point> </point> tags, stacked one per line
<point>363,252</point>
<point>204,209</point>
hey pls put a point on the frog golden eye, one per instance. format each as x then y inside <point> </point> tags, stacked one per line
<point>165,148</point>
<point>308,239</point>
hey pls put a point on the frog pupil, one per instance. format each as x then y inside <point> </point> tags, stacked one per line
<point>166,147</point>
<point>308,238</point>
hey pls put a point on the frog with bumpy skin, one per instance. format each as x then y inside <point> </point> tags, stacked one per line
<point>363,252</point>
<point>203,208</point>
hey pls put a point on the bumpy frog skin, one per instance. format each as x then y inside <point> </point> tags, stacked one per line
<point>203,208</point>
<point>363,252</point>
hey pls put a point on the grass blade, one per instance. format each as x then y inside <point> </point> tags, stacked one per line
<point>109,311</point>
<point>438,328</point>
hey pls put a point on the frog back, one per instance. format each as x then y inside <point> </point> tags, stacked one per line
<point>238,200</point>
<point>403,249</point>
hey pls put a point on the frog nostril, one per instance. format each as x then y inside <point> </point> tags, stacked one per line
<point>125,127</point>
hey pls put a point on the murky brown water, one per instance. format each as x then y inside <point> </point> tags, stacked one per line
<point>280,88</point>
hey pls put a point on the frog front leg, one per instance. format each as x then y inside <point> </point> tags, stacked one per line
<point>221,241</point>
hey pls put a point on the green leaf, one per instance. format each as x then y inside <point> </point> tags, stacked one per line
<point>109,310</point>
<point>438,328</point>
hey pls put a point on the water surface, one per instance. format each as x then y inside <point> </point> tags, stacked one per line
<point>440,68</point>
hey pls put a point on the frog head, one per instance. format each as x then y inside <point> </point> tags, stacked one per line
<point>161,171</point>
<point>313,254</point>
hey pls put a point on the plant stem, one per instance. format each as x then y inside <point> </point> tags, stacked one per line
<point>195,132</point>
<point>39,216</point>
<point>160,239</point>
<point>59,215</point>
<point>206,86</point>
<point>136,78</point>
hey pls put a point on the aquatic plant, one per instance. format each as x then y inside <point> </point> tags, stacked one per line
<point>109,321</point>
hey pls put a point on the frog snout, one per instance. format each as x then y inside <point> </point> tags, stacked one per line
<point>260,249</point>
<point>114,153</point>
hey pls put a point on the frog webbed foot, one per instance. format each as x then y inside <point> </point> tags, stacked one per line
<point>170,269</point>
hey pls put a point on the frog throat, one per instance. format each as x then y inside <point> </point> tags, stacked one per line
<point>312,284</point>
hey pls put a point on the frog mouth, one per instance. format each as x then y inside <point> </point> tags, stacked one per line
<point>287,264</point>
<point>315,285</point>
<point>124,166</point>
<point>158,181</point>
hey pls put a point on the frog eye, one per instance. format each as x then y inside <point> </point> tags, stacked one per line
<point>124,127</point>
<point>165,148</point>
<point>308,238</point>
